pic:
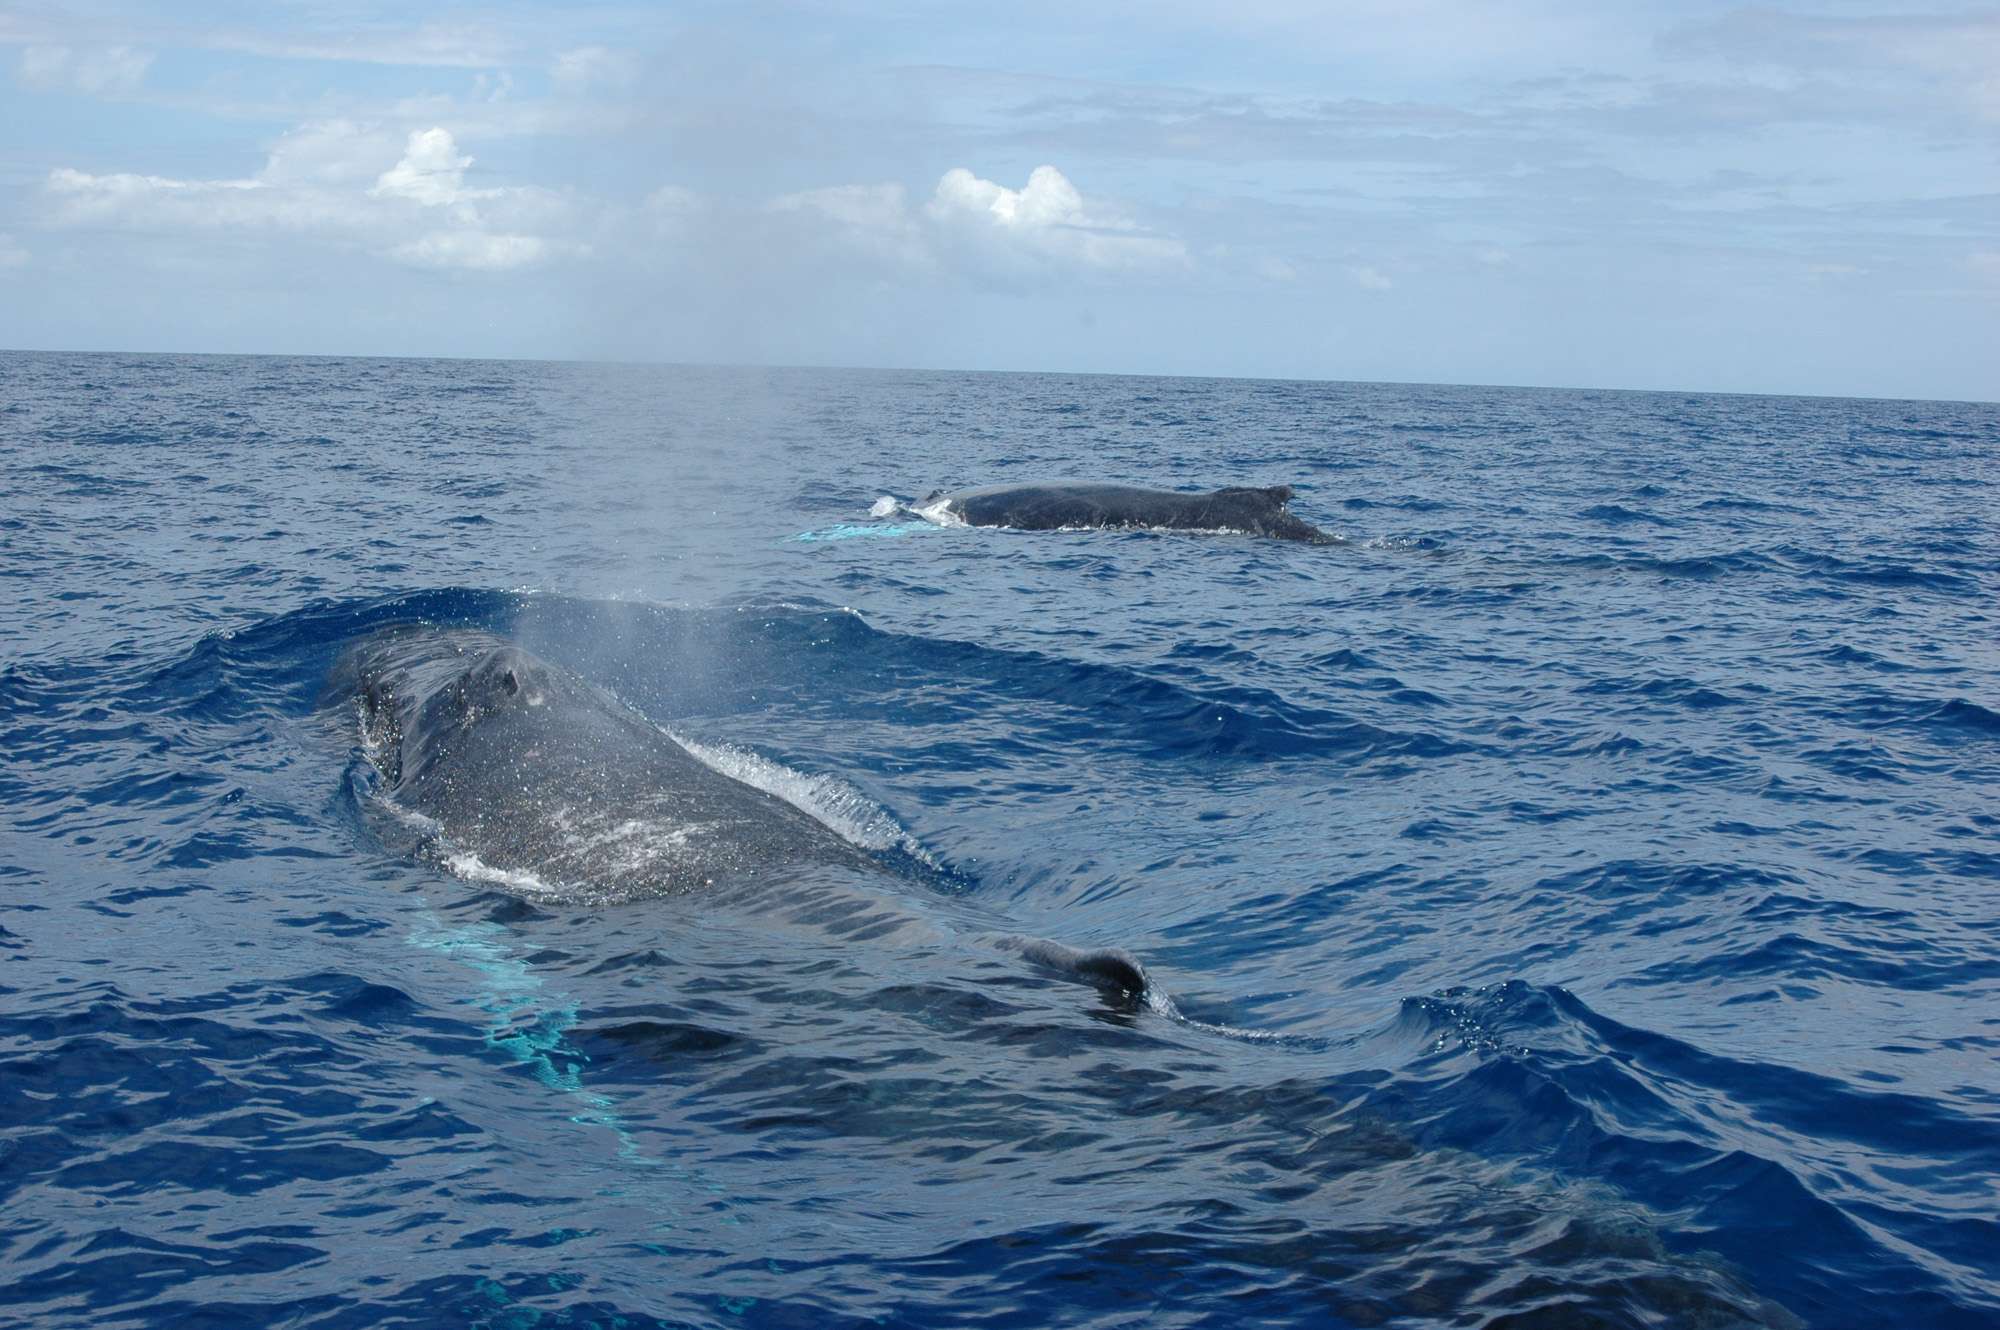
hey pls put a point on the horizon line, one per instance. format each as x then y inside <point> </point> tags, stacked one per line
<point>1071,373</point>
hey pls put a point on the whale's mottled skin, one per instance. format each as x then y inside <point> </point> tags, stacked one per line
<point>535,771</point>
<point>542,778</point>
<point>1060,505</point>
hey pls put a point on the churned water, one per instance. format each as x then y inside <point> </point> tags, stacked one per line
<point>1580,886</point>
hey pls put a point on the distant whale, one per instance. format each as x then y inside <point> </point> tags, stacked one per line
<point>1064,505</point>
<point>523,774</point>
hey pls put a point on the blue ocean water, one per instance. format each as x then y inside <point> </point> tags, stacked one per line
<point>1581,884</point>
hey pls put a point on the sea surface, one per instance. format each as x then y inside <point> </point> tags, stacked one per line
<point>1579,889</point>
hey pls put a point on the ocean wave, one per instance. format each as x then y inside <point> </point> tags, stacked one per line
<point>1618,515</point>
<point>1532,1071</point>
<point>1736,563</point>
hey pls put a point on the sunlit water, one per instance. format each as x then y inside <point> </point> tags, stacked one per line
<point>1606,838</point>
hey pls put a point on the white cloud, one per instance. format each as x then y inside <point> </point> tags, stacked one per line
<point>100,71</point>
<point>312,183</point>
<point>472,45</point>
<point>981,228</point>
<point>431,172</point>
<point>476,250</point>
<point>1880,61</point>
<point>1370,278</point>
<point>11,255</point>
<point>83,199</point>
<point>329,152</point>
<point>1048,199</point>
<point>1966,43</point>
<point>866,207</point>
<point>1048,218</point>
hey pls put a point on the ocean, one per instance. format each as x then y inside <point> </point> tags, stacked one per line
<point>1575,891</point>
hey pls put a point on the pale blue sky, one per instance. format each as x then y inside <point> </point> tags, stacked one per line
<point>1690,195</point>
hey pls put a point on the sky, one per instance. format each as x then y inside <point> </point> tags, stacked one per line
<point>1683,195</point>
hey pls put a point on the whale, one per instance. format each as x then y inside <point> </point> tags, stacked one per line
<point>513,771</point>
<point>1068,505</point>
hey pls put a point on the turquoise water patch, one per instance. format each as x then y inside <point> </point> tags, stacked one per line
<point>864,531</point>
<point>523,1024</point>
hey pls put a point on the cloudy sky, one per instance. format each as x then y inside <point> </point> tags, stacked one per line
<point>1642,194</point>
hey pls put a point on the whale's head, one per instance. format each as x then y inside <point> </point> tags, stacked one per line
<point>424,694</point>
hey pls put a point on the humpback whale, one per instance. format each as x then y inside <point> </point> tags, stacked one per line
<point>518,772</point>
<point>1060,505</point>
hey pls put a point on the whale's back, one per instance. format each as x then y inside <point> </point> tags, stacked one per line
<point>1064,505</point>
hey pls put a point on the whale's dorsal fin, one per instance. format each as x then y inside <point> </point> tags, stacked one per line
<point>1115,971</point>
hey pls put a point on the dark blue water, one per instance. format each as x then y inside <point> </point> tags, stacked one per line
<point>1607,834</point>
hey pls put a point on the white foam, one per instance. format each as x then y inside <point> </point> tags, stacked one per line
<point>474,869</point>
<point>793,607</point>
<point>423,824</point>
<point>1162,1005</point>
<point>828,800</point>
<point>939,512</point>
<point>886,506</point>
